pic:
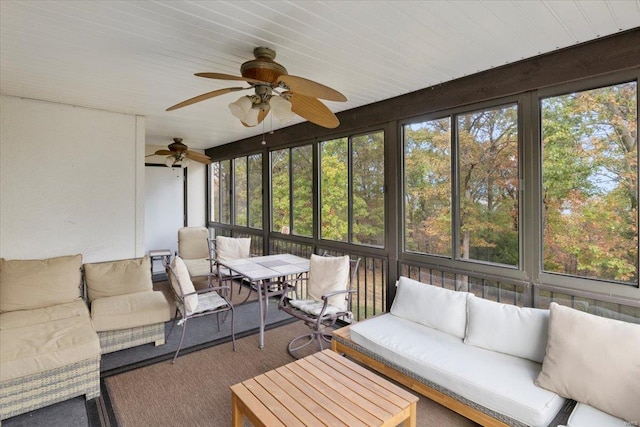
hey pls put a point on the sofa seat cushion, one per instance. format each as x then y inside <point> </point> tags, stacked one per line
<point>497,381</point>
<point>130,311</point>
<point>587,416</point>
<point>22,318</point>
<point>40,347</point>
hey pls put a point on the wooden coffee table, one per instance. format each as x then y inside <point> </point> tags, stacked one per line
<point>322,389</point>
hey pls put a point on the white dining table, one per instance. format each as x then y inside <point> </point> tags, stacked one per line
<point>260,271</point>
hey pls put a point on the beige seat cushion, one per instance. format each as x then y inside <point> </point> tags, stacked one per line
<point>593,360</point>
<point>108,279</point>
<point>193,242</point>
<point>22,318</point>
<point>182,285</point>
<point>129,311</point>
<point>38,348</point>
<point>198,267</point>
<point>29,284</point>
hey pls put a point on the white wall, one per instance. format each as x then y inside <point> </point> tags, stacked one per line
<point>71,181</point>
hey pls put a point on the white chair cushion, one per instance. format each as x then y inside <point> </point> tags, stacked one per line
<point>228,248</point>
<point>210,301</point>
<point>314,307</point>
<point>519,331</point>
<point>588,416</point>
<point>439,308</point>
<point>328,274</point>
<point>593,360</point>
<point>497,381</point>
<point>180,269</point>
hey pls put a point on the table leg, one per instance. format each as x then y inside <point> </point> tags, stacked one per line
<point>236,415</point>
<point>411,421</point>
<point>259,286</point>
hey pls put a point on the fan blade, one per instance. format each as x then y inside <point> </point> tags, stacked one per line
<point>198,157</point>
<point>163,153</point>
<point>221,76</point>
<point>310,88</point>
<point>205,96</point>
<point>313,110</point>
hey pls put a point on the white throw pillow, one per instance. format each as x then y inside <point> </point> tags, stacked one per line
<point>438,308</point>
<point>327,274</point>
<point>228,248</point>
<point>593,360</point>
<point>180,270</point>
<point>518,331</point>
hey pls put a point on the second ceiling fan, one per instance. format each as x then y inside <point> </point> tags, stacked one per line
<point>274,90</point>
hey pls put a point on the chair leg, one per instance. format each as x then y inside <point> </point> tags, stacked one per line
<point>233,329</point>
<point>184,329</point>
<point>218,320</point>
<point>292,347</point>
<point>175,320</point>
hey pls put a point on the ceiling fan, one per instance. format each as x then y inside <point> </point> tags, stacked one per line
<point>274,90</point>
<point>179,155</point>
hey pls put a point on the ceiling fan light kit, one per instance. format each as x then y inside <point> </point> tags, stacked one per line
<point>274,90</point>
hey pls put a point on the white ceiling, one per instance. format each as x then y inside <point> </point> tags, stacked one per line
<point>139,57</point>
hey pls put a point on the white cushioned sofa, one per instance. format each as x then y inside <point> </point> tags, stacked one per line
<point>49,351</point>
<point>484,359</point>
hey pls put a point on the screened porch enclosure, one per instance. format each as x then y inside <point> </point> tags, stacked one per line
<point>519,184</point>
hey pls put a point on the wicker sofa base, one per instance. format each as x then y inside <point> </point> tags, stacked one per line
<point>26,394</point>
<point>342,343</point>
<point>111,341</point>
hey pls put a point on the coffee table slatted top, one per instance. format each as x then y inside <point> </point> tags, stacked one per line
<point>322,389</point>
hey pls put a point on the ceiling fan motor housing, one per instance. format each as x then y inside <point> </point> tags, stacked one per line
<point>177,146</point>
<point>263,67</point>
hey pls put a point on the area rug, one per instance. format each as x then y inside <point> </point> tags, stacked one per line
<point>195,391</point>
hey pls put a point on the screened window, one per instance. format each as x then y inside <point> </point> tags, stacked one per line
<point>334,190</point>
<point>486,226</point>
<point>214,208</point>
<point>352,189</point>
<point>225,191</point>
<point>254,176</point>
<point>240,190</point>
<point>427,187</point>
<point>487,143</point>
<point>246,181</point>
<point>590,183</point>
<point>280,191</point>
<point>302,183</point>
<point>292,191</point>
